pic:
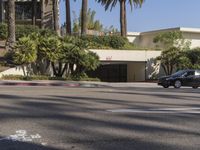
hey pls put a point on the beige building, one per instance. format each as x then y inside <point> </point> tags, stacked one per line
<point>135,65</point>
<point>138,65</point>
<point>145,39</point>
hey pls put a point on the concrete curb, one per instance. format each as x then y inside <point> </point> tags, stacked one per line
<point>50,83</point>
<point>83,84</point>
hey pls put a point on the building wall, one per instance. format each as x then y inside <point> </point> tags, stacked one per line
<point>194,38</point>
<point>141,64</point>
<point>145,40</point>
<point>136,71</point>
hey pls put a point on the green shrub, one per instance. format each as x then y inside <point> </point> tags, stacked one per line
<point>118,42</point>
<point>114,42</point>
<point>3,31</point>
<point>20,77</point>
<point>23,30</point>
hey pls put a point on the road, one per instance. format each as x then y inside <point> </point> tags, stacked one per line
<point>109,118</point>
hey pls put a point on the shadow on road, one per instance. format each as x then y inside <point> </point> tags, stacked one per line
<point>80,121</point>
<point>18,145</point>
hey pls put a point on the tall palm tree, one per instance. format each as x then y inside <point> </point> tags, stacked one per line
<point>11,24</point>
<point>84,17</point>
<point>34,12</point>
<point>68,17</point>
<point>123,21</point>
<point>55,16</point>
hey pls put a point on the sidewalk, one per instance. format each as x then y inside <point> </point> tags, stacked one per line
<point>88,84</point>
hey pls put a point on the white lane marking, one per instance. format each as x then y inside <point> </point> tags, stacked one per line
<point>22,136</point>
<point>194,110</point>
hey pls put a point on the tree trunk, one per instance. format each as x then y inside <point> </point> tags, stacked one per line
<point>55,17</point>
<point>42,14</point>
<point>84,17</point>
<point>11,24</point>
<point>68,17</point>
<point>123,18</point>
<point>34,12</point>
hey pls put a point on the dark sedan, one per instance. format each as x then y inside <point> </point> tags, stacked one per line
<point>181,78</point>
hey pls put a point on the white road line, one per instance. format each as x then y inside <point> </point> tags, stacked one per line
<point>190,110</point>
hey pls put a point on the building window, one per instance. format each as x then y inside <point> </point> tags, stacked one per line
<point>24,10</point>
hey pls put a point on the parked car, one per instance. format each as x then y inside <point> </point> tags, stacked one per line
<point>181,78</point>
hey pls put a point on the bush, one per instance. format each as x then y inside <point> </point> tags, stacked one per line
<point>114,42</point>
<point>118,42</point>
<point>3,31</point>
<point>20,77</point>
<point>23,30</point>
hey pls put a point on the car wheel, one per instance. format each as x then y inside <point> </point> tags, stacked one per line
<point>194,87</point>
<point>177,84</point>
<point>165,86</point>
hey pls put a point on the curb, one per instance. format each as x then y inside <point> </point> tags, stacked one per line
<point>84,85</point>
<point>39,84</point>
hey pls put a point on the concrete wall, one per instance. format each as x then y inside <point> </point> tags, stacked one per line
<point>126,55</point>
<point>194,38</point>
<point>12,71</point>
<point>141,65</point>
<point>145,40</point>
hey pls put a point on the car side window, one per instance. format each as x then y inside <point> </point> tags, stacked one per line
<point>189,73</point>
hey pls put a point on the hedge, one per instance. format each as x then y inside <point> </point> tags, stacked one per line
<point>29,78</point>
<point>114,42</point>
<point>22,30</point>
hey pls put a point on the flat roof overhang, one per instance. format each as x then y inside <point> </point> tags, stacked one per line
<point>126,55</point>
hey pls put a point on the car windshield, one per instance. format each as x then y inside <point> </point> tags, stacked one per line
<point>179,73</point>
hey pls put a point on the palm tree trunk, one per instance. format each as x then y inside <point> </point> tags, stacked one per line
<point>84,17</point>
<point>68,17</point>
<point>55,17</point>
<point>34,12</point>
<point>11,24</point>
<point>123,18</point>
<point>42,14</point>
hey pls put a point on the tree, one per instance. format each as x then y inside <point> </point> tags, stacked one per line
<point>92,23</point>
<point>173,46</point>
<point>166,40</point>
<point>34,12</point>
<point>169,59</point>
<point>11,24</point>
<point>25,53</point>
<point>123,21</point>
<point>84,20</point>
<point>190,59</point>
<point>68,17</point>
<point>55,17</point>
<point>50,49</point>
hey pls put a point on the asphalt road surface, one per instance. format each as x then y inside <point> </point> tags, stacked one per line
<point>125,118</point>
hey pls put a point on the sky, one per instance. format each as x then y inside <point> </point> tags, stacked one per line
<point>153,15</point>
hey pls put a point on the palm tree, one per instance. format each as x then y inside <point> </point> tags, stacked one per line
<point>11,24</point>
<point>55,16</point>
<point>123,21</point>
<point>68,17</point>
<point>34,12</point>
<point>84,17</point>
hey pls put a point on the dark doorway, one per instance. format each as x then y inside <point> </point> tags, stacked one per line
<point>110,73</point>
